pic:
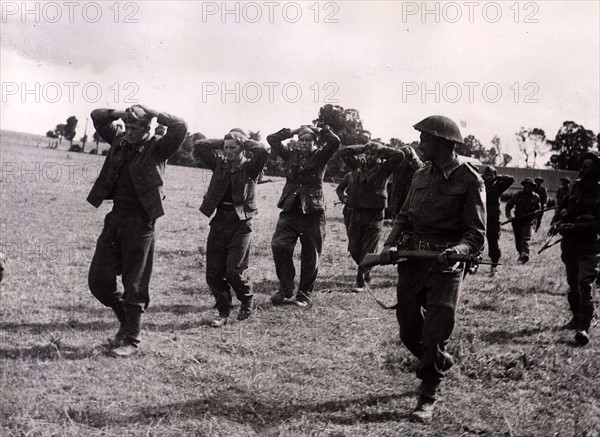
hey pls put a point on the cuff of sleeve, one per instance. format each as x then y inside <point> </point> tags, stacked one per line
<point>462,248</point>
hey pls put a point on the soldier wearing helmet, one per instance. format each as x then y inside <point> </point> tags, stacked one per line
<point>578,221</point>
<point>563,189</point>
<point>445,212</point>
<point>525,203</point>
<point>494,187</point>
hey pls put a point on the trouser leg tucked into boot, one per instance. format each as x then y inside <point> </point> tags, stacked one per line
<point>119,338</point>
<point>132,329</point>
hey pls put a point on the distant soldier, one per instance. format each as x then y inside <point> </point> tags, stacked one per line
<point>400,180</point>
<point>578,221</point>
<point>563,189</point>
<point>369,200</point>
<point>231,193</point>
<point>541,191</point>
<point>303,210</point>
<point>525,203</point>
<point>495,186</point>
<point>132,177</point>
<point>444,212</point>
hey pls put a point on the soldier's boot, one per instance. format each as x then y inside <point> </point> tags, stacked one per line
<point>367,275</point>
<point>493,271</point>
<point>245,310</point>
<point>360,281</point>
<point>302,299</point>
<point>423,412</point>
<point>133,327</point>
<point>119,338</point>
<point>280,297</point>
<point>582,337</point>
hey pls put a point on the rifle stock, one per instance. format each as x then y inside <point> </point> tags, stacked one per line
<point>374,259</point>
<point>539,211</point>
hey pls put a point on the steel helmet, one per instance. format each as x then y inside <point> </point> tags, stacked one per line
<point>591,154</point>
<point>440,126</point>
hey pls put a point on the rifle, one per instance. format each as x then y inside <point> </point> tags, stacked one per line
<point>529,214</point>
<point>374,259</point>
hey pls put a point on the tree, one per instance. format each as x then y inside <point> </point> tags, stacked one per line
<point>83,140</point>
<point>506,158</point>
<point>69,130</point>
<point>571,142</point>
<point>185,154</point>
<point>532,143</point>
<point>347,125</point>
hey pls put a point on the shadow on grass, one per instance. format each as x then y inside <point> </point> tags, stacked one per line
<point>240,406</point>
<point>502,336</point>
<point>45,328</point>
<point>47,352</point>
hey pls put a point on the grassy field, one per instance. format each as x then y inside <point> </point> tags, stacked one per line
<point>335,368</point>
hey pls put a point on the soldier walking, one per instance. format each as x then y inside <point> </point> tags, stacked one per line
<point>132,177</point>
<point>525,203</point>
<point>303,211</point>
<point>495,186</point>
<point>578,221</point>
<point>444,211</point>
<point>369,200</point>
<point>231,193</point>
<point>563,189</point>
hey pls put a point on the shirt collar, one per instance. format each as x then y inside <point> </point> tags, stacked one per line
<point>448,169</point>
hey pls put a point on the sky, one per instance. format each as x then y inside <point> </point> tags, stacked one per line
<point>493,67</point>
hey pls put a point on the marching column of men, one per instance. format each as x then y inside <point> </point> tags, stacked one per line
<point>440,206</point>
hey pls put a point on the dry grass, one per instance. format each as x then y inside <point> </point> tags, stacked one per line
<point>333,369</point>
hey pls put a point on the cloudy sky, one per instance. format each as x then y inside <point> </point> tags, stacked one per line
<point>495,66</point>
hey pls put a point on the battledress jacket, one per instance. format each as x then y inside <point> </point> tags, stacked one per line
<point>444,205</point>
<point>304,172</point>
<point>146,167</point>
<point>242,180</point>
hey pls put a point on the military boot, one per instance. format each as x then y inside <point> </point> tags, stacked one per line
<point>133,327</point>
<point>119,338</point>
<point>582,337</point>
<point>423,412</point>
<point>245,310</point>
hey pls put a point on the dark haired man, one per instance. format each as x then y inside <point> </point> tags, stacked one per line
<point>132,177</point>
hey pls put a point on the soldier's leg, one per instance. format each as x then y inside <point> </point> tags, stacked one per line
<point>493,239</point>
<point>137,252</point>
<point>526,235</point>
<point>238,254</point>
<point>283,244</point>
<point>355,236</point>
<point>216,266</point>
<point>588,269</point>
<point>518,237</point>
<point>572,269</point>
<point>370,241</point>
<point>441,302</point>
<point>107,265</point>
<point>312,244</point>
<point>410,310</point>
